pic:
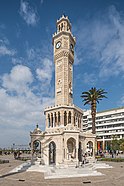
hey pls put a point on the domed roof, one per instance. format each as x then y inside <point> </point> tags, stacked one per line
<point>37,130</point>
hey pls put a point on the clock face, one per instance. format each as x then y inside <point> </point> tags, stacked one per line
<point>58,44</point>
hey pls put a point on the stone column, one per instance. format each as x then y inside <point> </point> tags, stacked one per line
<point>77,142</point>
<point>32,152</point>
<point>41,149</point>
<point>72,118</point>
<point>94,147</point>
<point>67,117</point>
<point>75,120</point>
<point>32,149</point>
<point>46,120</point>
<point>59,119</point>
<point>56,119</point>
<point>50,120</point>
<point>62,117</point>
<point>66,149</point>
<point>81,123</point>
<point>78,122</point>
<point>63,151</point>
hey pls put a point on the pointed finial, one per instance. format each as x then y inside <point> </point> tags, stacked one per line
<point>63,14</point>
<point>37,125</point>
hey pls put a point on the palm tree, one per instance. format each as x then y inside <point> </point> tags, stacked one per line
<point>92,97</point>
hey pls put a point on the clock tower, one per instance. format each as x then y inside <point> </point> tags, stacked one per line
<point>64,112</point>
<point>63,42</point>
<point>63,141</point>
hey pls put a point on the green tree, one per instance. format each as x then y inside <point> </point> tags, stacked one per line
<point>115,145</point>
<point>122,146</point>
<point>92,97</point>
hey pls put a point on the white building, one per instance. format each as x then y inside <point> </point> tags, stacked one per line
<point>109,124</point>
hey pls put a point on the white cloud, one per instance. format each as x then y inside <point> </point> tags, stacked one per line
<point>5,51</point>
<point>18,79</point>
<point>4,41</point>
<point>17,60</point>
<point>121,102</point>
<point>24,92</point>
<point>101,41</point>
<point>76,59</point>
<point>19,115</point>
<point>89,79</point>
<point>20,107</point>
<point>41,1</point>
<point>21,110</point>
<point>28,13</point>
<point>36,56</point>
<point>41,62</point>
<point>31,54</point>
<point>4,48</point>
<point>44,74</point>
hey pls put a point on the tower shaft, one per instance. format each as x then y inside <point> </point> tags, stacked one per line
<point>64,43</point>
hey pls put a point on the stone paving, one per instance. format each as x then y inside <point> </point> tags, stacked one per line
<point>109,176</point>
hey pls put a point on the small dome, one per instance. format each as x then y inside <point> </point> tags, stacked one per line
<point>37,130</point>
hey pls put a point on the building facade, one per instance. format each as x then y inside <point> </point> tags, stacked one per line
<point>109,125</point>
<point>63,141</point>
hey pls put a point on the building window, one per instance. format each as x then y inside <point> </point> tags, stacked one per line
<point>65,118</point>
<point>51,120</point>
<point>59,118</point>
<point>55,118</point>
<point>48,120</point>
<point>69,117</point>
<point>61,26</point>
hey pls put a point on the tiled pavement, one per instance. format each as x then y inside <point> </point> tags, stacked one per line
<point>111,177</point>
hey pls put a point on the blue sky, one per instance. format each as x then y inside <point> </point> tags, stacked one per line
<point>26,59</point>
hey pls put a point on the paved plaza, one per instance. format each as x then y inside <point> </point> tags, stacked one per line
<point>103,176</point>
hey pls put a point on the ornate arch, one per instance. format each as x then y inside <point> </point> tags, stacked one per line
<point>71,147</point>
<point>37,147</point>
<point>90,148</point>
<point>52,153</point>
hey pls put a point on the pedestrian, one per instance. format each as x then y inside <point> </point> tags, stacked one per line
<point>83,159</point>
<point>15,154</point>
<point>112,154</point>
